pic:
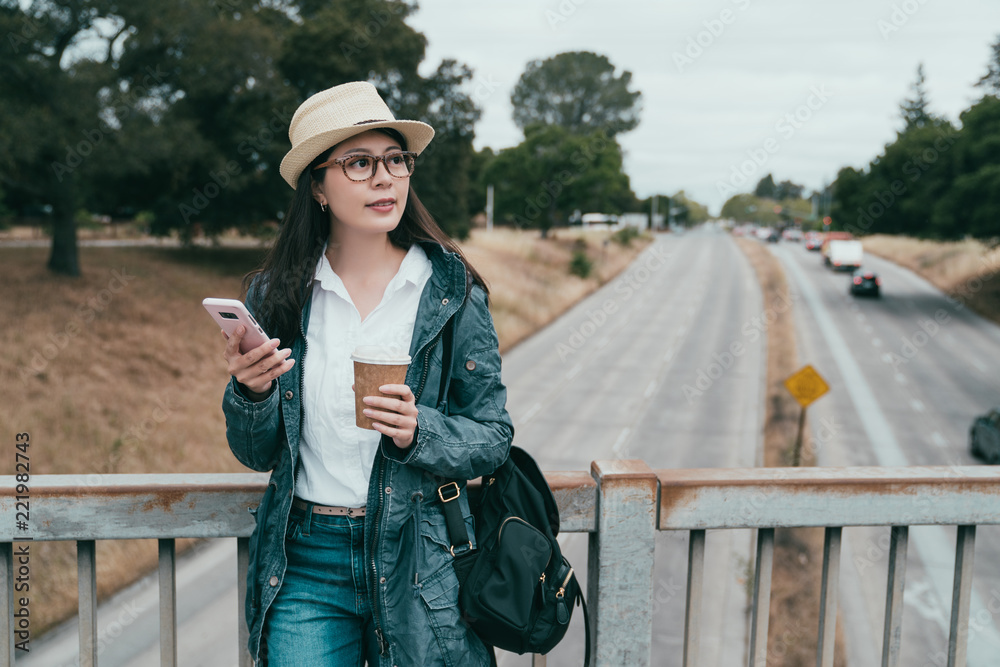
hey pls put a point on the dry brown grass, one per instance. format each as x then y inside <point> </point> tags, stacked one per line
<point>798,553</point>
<point>128,378</point>
<point>965,270</point>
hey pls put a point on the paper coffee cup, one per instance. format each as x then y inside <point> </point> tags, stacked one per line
<point>374,366</point>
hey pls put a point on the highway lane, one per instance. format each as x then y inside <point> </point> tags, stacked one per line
<point>590,387</point>
<point>605,381</point>
<point>908,372</point>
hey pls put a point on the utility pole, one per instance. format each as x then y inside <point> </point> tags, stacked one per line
<point>489,208</point>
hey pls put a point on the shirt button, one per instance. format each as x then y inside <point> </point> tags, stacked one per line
<point>273,580</point>
<point>444,301</point>
<point>381,580</point>
<point>388,489</point>
<point>289,394</point>
<point>470,365</point>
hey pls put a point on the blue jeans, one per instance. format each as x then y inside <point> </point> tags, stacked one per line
<point>322,616</point>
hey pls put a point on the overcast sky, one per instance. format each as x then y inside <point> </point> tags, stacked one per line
<point>705,113</point>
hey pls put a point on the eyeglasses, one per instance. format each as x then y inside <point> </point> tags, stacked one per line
<point>360,167</point>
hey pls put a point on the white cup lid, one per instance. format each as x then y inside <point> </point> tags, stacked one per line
<point>380,354</point>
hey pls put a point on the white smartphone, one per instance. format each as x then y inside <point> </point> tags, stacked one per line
<point>229,314</point>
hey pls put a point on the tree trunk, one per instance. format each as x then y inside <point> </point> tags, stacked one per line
<point>65,258</point>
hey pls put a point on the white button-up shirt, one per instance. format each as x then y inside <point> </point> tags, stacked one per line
<point>335,455</point>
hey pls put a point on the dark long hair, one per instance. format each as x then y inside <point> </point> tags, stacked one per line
<point>288,268</point>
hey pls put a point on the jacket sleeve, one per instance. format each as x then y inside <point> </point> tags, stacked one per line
<point>252,428</point>
<point>473,440</point>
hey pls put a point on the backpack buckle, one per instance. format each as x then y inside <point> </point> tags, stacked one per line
<point>450,487</point>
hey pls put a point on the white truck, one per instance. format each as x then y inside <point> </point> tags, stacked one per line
<point>843,255</point>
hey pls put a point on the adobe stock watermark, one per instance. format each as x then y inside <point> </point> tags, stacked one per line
<point>786,127</point>
<point>901,14</point>
<point>704,39</point>
<point>914,169</point>
<point>562,12</point>
<point>363,37</point>
<point>30,25</point>
<point>250,147</point>
<point>57,341</point>
<point>121,106</point>
<point>752,330</point>
<point>139,432</point>
<point>535,205</point>
<point>128,613</point>
<point>625,288</point>
<point>910,346</point>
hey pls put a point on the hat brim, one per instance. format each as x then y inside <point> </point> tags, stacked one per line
<point>417,136</point>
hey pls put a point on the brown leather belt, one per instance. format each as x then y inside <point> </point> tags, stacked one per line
<point>300,504</point>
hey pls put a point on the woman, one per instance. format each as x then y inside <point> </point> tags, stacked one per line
<point>350,559</point>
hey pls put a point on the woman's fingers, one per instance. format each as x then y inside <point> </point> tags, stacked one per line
<point>396,417</point>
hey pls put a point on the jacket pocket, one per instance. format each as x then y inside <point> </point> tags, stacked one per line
<point>457,644</point>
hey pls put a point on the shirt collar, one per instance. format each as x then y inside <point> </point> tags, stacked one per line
<point>414,269</point>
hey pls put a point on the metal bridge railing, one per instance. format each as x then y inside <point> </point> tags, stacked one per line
<point>621,504</point>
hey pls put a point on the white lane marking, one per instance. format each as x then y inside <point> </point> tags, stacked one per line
<point>604,341</point>
<point>669,355</point>
<point>938,439</point>
<point>917,405</point>
<point>900,378</point>
<point>650,389</point>
<point>531,413</point>
<point>573,371</point>
<point>931,542</point>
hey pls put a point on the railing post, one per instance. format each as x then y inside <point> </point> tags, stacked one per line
<point>86,573</point>
<point>620,563</point>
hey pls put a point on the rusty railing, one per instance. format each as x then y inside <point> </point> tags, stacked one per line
<point>621,504</point>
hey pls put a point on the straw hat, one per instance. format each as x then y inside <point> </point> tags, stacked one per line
<point>335,114</point>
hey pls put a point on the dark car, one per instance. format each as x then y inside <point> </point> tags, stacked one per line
<point>984,437</point>
<point>865,283</point>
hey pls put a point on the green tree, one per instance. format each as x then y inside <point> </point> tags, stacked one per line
<point>765,187</point>
<point>914,109</point>
<point>579,91</point>
<point>788,190</point>
<point>990,82</point>
<point>182,108</point>
<point>971,205</point>
<point>540,182</point>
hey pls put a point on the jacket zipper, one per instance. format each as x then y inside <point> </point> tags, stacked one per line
<point>383,645</point>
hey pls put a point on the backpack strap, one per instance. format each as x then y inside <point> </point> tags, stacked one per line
<point>458,535</point>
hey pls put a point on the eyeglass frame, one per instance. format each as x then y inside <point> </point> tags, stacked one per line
<point>342,161</point>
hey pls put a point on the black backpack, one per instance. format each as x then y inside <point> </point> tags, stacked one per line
<point>517,590</point>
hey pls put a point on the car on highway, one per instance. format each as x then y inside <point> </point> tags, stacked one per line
<point>814,241</point>
<point>865,283</point>
<point>984,437</point>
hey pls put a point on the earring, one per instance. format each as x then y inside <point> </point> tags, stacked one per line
<point>322,207</point>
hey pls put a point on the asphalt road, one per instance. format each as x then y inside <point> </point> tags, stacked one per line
<point>607,380</point>
<point>908,373</point>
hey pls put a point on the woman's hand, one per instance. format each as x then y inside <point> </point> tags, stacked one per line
<point>256,369</point>
<point>397,417</point>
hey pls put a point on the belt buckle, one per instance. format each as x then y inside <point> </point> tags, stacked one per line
<point>457,489</point>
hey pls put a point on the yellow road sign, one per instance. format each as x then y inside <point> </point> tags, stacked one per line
<point>806,385</point>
